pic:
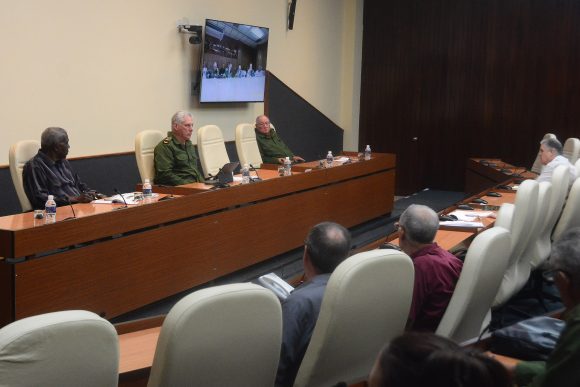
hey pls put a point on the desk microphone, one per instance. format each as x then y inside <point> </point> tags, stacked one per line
<point>122,197</point>
<point>71,207</point>
<point>257,178</point>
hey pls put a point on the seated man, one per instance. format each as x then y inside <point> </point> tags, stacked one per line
<point>561,368</point>
<point>327,245</point>
<point>175,159</point>
<point>436,270</point>
<point>272,148</point>
<point>551,157</point>
<point>50,173</point>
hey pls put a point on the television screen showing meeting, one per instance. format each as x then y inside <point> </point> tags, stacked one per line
<point>233,67</point>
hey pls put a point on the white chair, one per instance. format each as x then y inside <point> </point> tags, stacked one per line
<point>366,304</point>
<point>145,143</point>
<point>18,155</point>
<point>537,166</point>
<point>540,248</point>
<point>71,348</point>
<point>482,273</point>
<point>227,335</point>
<point>577,165</point>
<point>247,146</point>
<point>518,218</point>
<point>570,214</point>
<point>572,149</point>
<point>212,149</point>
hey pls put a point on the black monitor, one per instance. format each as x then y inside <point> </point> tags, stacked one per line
<point>233,64</point>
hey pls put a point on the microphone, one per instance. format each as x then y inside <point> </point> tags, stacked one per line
<point>71,207</point>
<point>122,197</point>
<point>257,178</point>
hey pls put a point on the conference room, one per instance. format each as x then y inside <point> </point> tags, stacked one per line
<point>447,120</point>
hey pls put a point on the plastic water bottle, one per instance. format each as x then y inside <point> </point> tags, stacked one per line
<point>246,174</point>
<point>287,166</point>
<point>329,159</point>
<point>368,152</point>
<point>50,210</point>
<point>147,190</point>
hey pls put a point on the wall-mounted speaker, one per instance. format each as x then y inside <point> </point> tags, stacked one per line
<point>291,12</point>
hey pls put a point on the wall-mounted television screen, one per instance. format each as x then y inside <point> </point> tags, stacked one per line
<point>233,64</point>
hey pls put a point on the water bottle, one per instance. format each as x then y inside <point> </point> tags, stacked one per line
<point>50,210</point>
<point>329,159</point>
<point>246,174</point>
<point>147,190</point>
<point>368,152</point>
<point>287,167</point>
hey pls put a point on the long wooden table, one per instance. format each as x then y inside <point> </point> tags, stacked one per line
<point>481,174</point>
<point>111,262</point>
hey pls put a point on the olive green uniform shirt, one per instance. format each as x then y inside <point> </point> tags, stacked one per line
<point>175,163</point>
<point>272,147</point>
<point>562,369</point>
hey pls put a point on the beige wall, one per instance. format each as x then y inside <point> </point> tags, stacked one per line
<point>105,69</point>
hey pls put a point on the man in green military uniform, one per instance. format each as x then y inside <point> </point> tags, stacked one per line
<point>175,159</point>
<point>272,148</point>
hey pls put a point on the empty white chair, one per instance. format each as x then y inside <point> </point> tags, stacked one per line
<point>482,273</point>
<point>71,348</point>
<point>537,166</point>
<point>572,149</point>
<point>540,248</point>
<point>145,143</point>
<point>247,146</point>
<point>570,214</point>
<point>366,304</point>
<point>212,149</point>
<point>518,218</point>
<point>227,335</point>
<point>18,155</point>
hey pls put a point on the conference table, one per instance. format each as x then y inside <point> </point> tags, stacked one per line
<point>112,259</point>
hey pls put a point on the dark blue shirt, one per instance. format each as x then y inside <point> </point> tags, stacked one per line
<point>42,177</point>
<point>299,314</point>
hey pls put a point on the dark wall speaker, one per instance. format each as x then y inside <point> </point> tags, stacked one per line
<point>291,12</point>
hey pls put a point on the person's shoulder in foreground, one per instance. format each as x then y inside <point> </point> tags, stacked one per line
<point>326,246</point>
<point>561,368</point>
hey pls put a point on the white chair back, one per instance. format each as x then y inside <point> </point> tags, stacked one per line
<point>366,304</point>
<point>247,146</point>
<point>570,214</point>
<point>572,149</point>
<point>522,217</point>
<point>482,273</point>
<point>537,166</point>
<point>212,149</point>
<point>577,165</point>
<point>227,335</point>
<point>65,349</point>
<point>145,143</point>
<point>543,243</point>
<point>18,155</point>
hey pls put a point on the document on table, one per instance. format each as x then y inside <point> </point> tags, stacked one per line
<point>129,199</point>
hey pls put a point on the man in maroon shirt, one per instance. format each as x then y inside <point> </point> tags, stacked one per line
<point>436,270</point>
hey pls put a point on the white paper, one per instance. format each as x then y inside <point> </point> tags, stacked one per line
<point>129,199</point>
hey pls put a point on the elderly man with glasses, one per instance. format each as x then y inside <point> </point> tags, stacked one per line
<point>272,148</point>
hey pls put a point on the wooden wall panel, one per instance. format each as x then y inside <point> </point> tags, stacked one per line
<point>467,78</point>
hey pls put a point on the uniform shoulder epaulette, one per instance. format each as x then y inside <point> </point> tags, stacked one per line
<point>166,140</point>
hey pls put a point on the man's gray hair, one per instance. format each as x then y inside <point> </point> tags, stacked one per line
<point>420,223</point>
<point>179,117</point>
<point>553,144</point>
<point>566,255</point>
<point>52,136</point>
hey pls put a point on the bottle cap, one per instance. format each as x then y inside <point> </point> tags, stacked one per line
<point>287,158</point>
<point>50,197</point>
<point>146,181</point>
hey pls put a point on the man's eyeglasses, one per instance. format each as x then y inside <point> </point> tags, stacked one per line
<point>263,124</point>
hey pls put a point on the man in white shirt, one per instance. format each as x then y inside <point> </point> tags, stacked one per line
<point>551,157</point>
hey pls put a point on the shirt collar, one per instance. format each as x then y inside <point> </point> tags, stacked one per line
<point>425,250</point>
